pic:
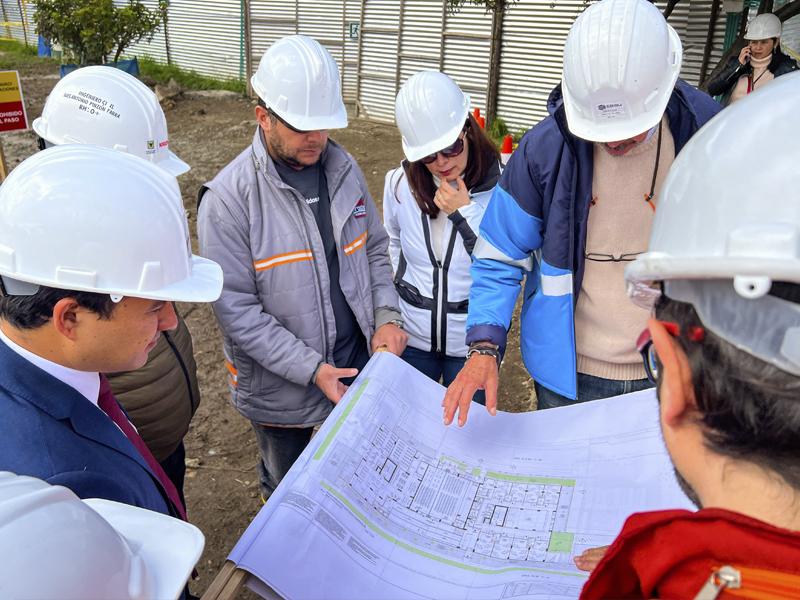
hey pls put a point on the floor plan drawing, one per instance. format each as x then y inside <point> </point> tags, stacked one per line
<point>387,502</point>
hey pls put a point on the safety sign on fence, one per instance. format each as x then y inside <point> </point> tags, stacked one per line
<point>12,107</point>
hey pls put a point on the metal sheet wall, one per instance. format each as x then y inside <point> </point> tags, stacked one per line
<point>204,36</point>
<point>378,58</point>
<point>467,45</point>
<point>531,58</point>
<point>349,66</point>
<point>694,41</point>
<point>402,37</point>
<point>18,12</point>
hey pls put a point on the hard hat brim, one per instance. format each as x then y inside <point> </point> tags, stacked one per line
<point>173,165</point>
<point>169,547</point>
<point>204,284</point>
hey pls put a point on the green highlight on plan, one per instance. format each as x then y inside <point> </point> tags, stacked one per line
<point>561,542</point>
<point>529,479</point>
<point>327,442</point>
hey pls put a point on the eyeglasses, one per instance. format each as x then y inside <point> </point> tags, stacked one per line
<point>451,151</point>
<point>284,123</point>
<point>597,257</point>
<point>648,350</point>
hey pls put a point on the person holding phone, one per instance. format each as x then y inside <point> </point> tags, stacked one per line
<point>433,204</point>
<point>759,62</point>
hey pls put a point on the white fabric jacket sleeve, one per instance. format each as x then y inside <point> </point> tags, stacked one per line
<point>223,238</point>
<point>390,217</point>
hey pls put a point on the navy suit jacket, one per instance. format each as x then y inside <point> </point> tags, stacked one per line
<point>50,431</point>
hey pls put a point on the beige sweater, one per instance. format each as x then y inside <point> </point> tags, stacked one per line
<point>761,77</point>
<point>607,323</point>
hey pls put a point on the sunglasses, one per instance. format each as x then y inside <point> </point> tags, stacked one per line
<point>648,350</point>
<point>451,151</point>
<point>284,123</point>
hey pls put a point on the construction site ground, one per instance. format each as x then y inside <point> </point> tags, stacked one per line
<point>207,130</point>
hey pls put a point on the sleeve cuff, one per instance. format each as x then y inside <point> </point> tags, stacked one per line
<point>384,315</point>
<point>488,333</point>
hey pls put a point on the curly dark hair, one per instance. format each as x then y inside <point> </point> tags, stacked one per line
<point>750,409</point>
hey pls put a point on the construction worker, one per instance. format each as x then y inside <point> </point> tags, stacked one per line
<point>432,206</point>
<point>107,107</point>
<point>56,546</point>
<point>308,284</point>
<point>574,206</point>
<point>758,63</point>
<point>724,346</point>
<point>94,248</point>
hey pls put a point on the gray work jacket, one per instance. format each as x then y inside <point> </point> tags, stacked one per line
<point>275,310</point>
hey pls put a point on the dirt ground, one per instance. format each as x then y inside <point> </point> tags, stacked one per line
<point>207,130</point>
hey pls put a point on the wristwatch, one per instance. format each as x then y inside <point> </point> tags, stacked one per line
<point>397,322</point>
<point>484,349</point>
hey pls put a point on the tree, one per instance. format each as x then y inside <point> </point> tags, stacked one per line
<point>91,30</point>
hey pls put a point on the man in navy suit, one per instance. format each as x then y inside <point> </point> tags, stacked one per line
<point>94,248</point>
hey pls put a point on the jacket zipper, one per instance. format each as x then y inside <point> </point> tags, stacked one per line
<point>440,311</point>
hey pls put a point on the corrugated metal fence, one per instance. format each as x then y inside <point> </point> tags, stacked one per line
<point>380,43</point>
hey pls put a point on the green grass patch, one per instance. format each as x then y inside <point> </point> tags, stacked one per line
<point>14,54</point>
<point>162,73</point>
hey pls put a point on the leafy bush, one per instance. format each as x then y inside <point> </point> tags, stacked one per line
<point>89,31</point>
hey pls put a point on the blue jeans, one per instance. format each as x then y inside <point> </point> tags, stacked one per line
<point>279,447</point>
<point>589,388</point>
<point>439,367</point>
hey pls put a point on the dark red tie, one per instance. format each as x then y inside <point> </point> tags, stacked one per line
<point>108,404</point>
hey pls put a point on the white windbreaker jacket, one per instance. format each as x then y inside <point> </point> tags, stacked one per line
<point>434,293</point>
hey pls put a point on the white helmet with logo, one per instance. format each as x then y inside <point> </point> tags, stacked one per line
<point>431,111</point>
<point>56,546</point>
<point>106,107</point>
<point>299,81</point>
<point>85,218</point>
<point>621,62</point>
<point>763,27</point>
<point>726,235</point>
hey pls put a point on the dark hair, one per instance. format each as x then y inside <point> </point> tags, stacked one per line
<point>483,154</point>
<point>750,409</point>
<point>31,312</point>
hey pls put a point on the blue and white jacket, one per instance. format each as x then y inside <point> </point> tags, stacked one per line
<point>541,206</point>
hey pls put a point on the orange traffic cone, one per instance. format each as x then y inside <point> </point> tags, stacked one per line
<point>476,114</point>
<point>507,149</point>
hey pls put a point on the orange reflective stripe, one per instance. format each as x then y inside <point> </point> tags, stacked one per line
<point>356,244</point>
<point>233,373</point>
<point>283,259</point>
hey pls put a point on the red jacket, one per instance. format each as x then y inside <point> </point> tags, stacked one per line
<point>672,553</point>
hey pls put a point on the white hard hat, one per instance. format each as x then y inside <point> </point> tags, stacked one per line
<point>621,62</point>
<point>56,546</point>
<point>728,225</point>
<point>106,107</point>
<point>85,218</point>
<point>299,81</point>
<point>763,27</point>
<point>431,111</point>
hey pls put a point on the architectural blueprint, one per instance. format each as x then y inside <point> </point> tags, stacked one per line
<point>387,502</point>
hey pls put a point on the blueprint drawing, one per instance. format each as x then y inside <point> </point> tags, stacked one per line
<point>387,502</point>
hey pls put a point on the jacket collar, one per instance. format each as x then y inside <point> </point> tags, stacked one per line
<point>334,159</point>
<point>62,402</point>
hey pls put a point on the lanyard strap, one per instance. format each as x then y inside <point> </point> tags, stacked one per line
<point>649,197</point>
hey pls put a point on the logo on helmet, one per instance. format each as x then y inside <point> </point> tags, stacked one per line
<point>151,146</point>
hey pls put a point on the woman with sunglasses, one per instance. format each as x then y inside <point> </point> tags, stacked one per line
<point>432,206</point>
